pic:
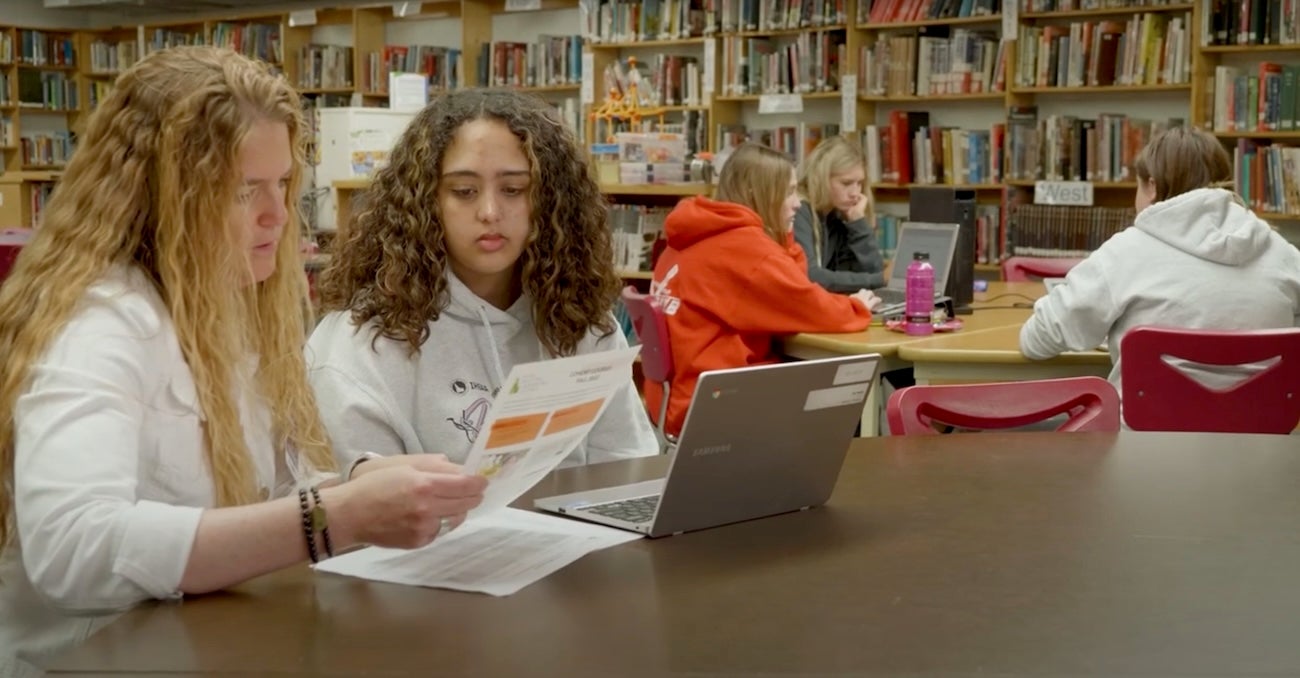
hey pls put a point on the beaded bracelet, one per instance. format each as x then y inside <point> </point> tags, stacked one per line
<point>320,521</point>
<point>307,529</point>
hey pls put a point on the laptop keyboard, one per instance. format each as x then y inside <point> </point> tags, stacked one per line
<point>891,296</point>
<point>637,510</point>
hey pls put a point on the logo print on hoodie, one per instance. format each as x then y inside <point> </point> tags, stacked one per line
<point>471,418</point>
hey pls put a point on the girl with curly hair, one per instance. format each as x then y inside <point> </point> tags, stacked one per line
<point>153,395</point>
<point>482,244</point>
<point>733,280</point>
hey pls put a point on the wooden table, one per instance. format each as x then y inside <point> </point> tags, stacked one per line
<point>969,555</point>
<point>993,355</point>
<point>1004,304</point>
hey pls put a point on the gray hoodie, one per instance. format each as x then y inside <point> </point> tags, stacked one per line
<point>1199,260</point>
<point>381,399</point>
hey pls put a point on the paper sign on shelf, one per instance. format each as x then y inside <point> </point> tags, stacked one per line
<point>780,103</point>
<point>848,103</point>
<point>1077,193</point>
<point>302,17</point>
<point>401,10</point>
<point>523,5</point>
<point>408,91</point>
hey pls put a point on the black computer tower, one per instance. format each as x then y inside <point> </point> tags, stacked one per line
<point>947,205</point>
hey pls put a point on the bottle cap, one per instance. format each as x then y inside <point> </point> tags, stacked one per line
<point>920,256</point>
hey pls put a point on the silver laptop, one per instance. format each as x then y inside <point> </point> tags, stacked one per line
<point>939,241</point>
<point>757,441</point>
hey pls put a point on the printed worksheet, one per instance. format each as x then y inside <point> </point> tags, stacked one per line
<point>541,413</point>
<point>544,409</point>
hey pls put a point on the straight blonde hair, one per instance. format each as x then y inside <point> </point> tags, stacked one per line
<point>835,155</point>
<point>1182,159</point>
<point>758,178</point>
<point>149,186</point>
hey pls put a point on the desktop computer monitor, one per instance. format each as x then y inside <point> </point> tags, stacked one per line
<point>947,205</point>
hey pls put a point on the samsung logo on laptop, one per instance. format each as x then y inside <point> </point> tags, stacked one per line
<point>710,449</point>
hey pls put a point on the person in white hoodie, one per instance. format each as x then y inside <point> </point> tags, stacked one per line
<point>1195,258</point>
<point>481,244</point>
<point>158,437</point>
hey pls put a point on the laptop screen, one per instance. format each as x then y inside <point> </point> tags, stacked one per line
<point>939,240</point>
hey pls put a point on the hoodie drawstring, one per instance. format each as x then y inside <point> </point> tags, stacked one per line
<point>492,344</point>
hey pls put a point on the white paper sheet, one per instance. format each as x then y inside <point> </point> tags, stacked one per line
<point>497,554</point>
<point>544,409</point>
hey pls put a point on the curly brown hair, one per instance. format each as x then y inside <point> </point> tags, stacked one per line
<point>391,264</point>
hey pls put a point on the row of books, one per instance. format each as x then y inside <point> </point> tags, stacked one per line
<point>1267,100</point>
<point>893,11</point>
<point>1147,49</point>
<point>1063,231</point>
<point>1254,22</point>
<point>38,48</point>
<point>664,80</point>
<point>1068,148</point>
<point>113,57</point>
<point>796,141</point>
<point>440,64</point>
<point>48,90</point>
<point>635,229</point>
<point>548,61</point>
<point>809,63</point>
<point>1266,176</point>
<point>6,48</point>
<point>774,15</point>
<point>259,41</point>
<point>6,131</point>
<point>162,38</point>
<point>931,154</point>
<point>40,196</point>
<point>1078,5</point>
<point>639,20</point>
<point>325,67</point>
<point>990,234</point>
<point>906,65</point>
<point>98,90</point>
<point>46,150</point>
<point>6,98</point>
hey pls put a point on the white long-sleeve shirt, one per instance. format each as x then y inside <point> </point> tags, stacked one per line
<point>109,474</point>
<point>374,395</point>
<point>1199,260</point>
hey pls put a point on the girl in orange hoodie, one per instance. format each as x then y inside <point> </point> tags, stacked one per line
<point>732,279</point>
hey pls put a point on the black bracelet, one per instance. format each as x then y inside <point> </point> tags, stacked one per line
<point>320,521</point>
<point>307,530</point>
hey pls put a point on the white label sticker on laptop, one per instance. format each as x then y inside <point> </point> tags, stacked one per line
<point>854,373</point>
<point>837,396</point>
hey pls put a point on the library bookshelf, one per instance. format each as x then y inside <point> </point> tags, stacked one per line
<point>861,67</point>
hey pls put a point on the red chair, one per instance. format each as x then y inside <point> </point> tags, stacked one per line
<point>1160,397</point>
<point>1091,403</point>
<point>651,327</point>
<point>1024,269</point>
<point>11,243</point>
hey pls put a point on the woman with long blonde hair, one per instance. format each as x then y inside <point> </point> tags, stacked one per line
<point>154,396</point>
<point>733,280</point>
<point>833,224</point>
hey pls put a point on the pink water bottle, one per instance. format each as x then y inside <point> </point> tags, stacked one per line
<point>919,303</point>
